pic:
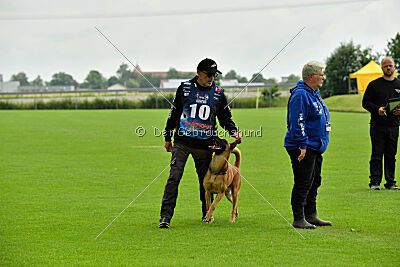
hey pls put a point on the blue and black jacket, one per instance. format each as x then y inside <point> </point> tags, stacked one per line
<point>193,116</point>
<point>307,120</point>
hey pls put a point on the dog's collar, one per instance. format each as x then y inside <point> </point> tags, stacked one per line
<point>223,172</point>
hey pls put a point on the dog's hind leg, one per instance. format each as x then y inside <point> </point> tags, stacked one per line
<point>212,208</point>
<point>235,194</point>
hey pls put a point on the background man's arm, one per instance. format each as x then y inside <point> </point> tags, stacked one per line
<point>368,101</point>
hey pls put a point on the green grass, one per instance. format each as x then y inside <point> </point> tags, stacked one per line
<point>66,174</point>
<point>350,103</point>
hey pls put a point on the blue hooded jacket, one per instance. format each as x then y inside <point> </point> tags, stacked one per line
<point>307,119</point>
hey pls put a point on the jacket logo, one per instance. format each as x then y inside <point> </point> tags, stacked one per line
<point>318,108</point>
<point>201,98</point>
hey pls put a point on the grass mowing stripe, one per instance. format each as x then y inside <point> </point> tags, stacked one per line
<point>133,200</point>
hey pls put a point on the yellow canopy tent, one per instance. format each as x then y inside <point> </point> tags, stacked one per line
<point>366,74</point>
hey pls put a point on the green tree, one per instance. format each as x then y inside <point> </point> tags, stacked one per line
<point>37,81</point>
<point>124,73</point>
<point>173,74</point>
<point>132,83</point>
<point>242,79</point>
<point>270,93</point>
<point>230,75</point>
<point>345,59</point>
<point>233,75</point>
<point>21,78</point>
<point>94,80</point>
<point>188,75</point>
<point>393,49</point>
<point>112,80</point>
<point>62,78</point>
<point>293,78</point>
<point>258,79</point>
<point>367,54</point>
<point>144,83</point>
<point>271,81</point>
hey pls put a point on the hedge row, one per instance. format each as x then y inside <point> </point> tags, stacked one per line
<point>250,102</point>
<point>151,102</point>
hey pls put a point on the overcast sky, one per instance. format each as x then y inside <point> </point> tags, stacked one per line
<point>44,37</point>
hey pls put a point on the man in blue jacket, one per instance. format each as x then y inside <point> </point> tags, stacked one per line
<point>307,137</point>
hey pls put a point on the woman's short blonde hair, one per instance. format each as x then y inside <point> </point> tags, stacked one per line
<point>312,67</point>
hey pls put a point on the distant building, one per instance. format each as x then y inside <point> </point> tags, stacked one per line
<point>228,82</point>
<point>9,87</point>
<point>171,83</point>
<point>117,86</point>
<point>234,82</point>
<point>284,79</point>
<point>15,87</point>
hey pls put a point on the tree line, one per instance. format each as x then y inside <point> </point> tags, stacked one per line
<point>345,59</point>
<point>131,79</point>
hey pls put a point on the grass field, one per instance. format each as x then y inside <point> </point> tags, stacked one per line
<point>66,174</point>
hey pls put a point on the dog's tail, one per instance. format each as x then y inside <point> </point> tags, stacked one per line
<point>237,153</point>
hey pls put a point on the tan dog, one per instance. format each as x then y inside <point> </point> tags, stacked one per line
<point>223,178</point>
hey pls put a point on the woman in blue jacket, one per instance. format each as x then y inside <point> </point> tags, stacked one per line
<point>307,137</point>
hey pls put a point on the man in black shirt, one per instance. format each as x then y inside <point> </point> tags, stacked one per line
<point>384,127</point>
<point>197,104</point>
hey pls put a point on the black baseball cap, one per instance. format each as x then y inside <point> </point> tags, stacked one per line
<point>208,65</point>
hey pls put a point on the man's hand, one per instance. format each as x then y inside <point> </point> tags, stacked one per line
<point>396,111</point>
<point>238,137</point>
<point>168,146</point>
<point>382,111</point>
<point>302,154</point>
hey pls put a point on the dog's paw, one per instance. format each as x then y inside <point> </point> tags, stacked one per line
<point>207,220</point>
<point>210,220</point>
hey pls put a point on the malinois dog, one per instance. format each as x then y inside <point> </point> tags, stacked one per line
<point>223,178</point>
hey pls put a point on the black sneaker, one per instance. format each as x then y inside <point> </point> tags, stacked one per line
<point>164,223</point>
<point>375,187</point>
<point>205,220</point>
<point>393,187</point>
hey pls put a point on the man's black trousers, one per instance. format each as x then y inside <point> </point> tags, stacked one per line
<point>180,154</point>
<point>307,179</point>
<point>384,145</point>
